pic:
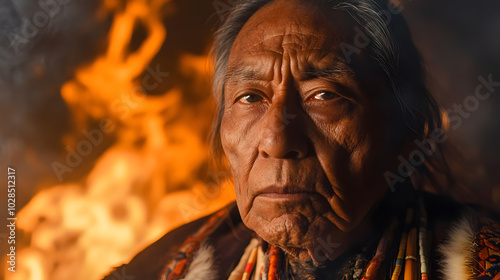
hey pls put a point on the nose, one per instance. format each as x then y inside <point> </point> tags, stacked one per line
<point>282,134</point>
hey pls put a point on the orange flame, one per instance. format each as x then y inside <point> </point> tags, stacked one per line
<point>132,195</point>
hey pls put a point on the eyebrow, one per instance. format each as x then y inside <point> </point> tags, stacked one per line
<point>338,68</point>
<point>333,70</point>
<point>244,74</point>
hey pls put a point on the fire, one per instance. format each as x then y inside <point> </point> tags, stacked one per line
<point>136,191</point>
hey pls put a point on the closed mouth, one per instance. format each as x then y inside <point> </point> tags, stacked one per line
<point>285,192</point>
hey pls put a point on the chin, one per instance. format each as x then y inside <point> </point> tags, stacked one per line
<point>315,242</point>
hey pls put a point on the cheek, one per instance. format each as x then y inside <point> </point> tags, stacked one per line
<point>238,148</point>
<point>227,137</point>
<point>354,160</point>
<point>239,133</point>
<point>363,135</point>
<point>232,137</point>
<point>375,149</point>
<point>230,142</point>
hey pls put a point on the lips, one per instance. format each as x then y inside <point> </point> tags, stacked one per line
<point>286,189</point>
<point>284,192</point>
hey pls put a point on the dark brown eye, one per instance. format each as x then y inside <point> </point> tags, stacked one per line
<point>325,95</point>
<point>250,98</point>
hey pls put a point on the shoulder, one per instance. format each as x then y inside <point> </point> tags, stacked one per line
<point>152,262</point>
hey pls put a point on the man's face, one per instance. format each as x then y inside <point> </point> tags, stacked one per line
<point>303,130</point>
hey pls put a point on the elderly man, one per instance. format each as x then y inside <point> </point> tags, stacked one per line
<point>318,103</point>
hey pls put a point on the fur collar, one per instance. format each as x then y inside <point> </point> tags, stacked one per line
<point>459,251</point>
<point>202,266</point>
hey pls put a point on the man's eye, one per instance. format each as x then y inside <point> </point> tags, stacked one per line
<point>250,98</point>
<point>325,95</point>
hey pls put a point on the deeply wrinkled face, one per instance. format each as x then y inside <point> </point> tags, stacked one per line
<point>304,131</point>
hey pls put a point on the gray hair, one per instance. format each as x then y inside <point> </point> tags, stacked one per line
<point>390,48</point>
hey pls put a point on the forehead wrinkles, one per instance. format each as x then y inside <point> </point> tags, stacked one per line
<point>305,41</point>
<point>297,41</point>
<point>298,49</point>
<point>303,47</point>
<point>305,38</point>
